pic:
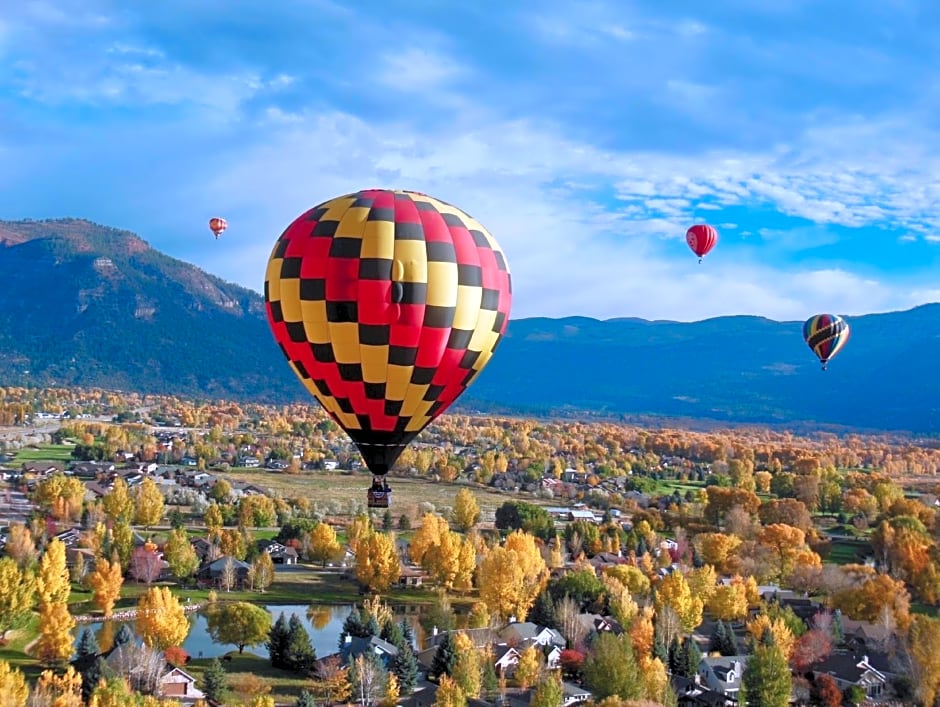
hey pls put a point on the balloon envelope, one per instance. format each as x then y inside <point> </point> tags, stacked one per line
<point>825,334</point>
<point>701,239</point>
<point>217,225</point>
<point>387,304</point>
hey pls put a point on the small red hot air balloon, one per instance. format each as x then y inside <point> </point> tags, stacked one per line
<point>701,239</point>
<point>217,225</point>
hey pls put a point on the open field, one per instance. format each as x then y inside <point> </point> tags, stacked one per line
<point>44,453</point>
<point>285,685</point>
<point>407,493</point>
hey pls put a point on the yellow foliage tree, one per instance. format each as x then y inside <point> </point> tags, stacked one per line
<point>17,595</point>
<point>117,503</point>
<point>377,563</point>
<point>782,634</point>
<point>466,510</point>
<point>161,621</point>
<point>674,591</point>
<point>510,578</point>
<point>529,667</point>
<point>924,646</point>
<point>21,545</point>
<point>54,644</point>
<point>261,573</point>
<point>150,503</point>
<point>213,520</point>
<point>717,549</point>
<point>729,602</point>
<point>13,688</point>
<point>360,527</point>
<point>656,685</point>
<point>619,599</point>
<point>63,690</point>
<point>449,694</point>
<point>106,581</point>
<point>466,671</point>
<point>703,581</point>
<point>322,545</point>
<point>642,632</point>
<point>428,534</point>
<point>630,577</point>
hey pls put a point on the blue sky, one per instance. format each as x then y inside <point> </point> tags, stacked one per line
<point>587,136</point>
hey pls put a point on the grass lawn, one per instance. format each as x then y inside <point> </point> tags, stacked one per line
<point>847,552</point>
<point>408,493</point>
<point>305,585</point>
<point>44,453</point>
<point>285,685</point>
<point>13,650</point>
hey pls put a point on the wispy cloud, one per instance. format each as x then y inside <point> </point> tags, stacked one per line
<point>586,138</point>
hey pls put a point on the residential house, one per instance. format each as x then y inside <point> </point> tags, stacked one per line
<point>354,646</point>
<point>723,674</point>
<point>202,547</point>
<point>575,694</point>
<point>427,697</point>
<point>177,684</point>
<point>519,633</point>
<point>850,670</point>
<point>280,554</point>
<point>411,576</point>
<point>213,573</point>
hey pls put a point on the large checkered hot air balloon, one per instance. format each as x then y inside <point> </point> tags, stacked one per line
<point>825,334</point>
<point>387,304</point>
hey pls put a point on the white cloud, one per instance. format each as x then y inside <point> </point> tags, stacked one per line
<point>418,70</point>
<point>569,252</point>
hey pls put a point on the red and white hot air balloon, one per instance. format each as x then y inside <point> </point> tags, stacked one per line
<point>217,225</point>
<point>701,239</point>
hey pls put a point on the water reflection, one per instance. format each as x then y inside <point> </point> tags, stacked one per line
<point>323,622</point>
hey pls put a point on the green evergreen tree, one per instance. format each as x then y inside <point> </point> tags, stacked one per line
<point>124,636</point>
<point>215,681</point>
<point>404,523</point>
<point>691,657</point>
<point>659,649</point>
<point>674,657</point>
<point>387,520</point>
<point>87,643</point>
<point>611,668</point>
<point>767,681</point>
<point>300,655</point>
<point>543,611</point>
<point>392,633</point>
<point>719,634</point>
<point>407,632</point>
<point>549,692</point>
<point>406,669</point>
<point>490,681</point>
<point>278,638</point>
<point>445,657</point>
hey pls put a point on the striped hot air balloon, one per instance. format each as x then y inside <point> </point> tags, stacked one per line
<point>701,239</point>
<point>825,334</point>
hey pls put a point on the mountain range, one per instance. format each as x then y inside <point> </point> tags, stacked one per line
<point>92,306</point>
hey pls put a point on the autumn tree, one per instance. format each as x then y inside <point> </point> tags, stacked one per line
<point>17,595</point>
<point>117,502</point>
<point>923,641</point>
<point>13,688</point>
<point>674,591</point>
<point>511,577</point>
<point>161,621</point>
<point>146,563</point>
<point>334,686</point>
<point>180,555</point>
<point>149,503</point>
<point>529,666</point>
<point>54,644</point>
<point>322,545</point>
<point>360,527</point>
<point>428,534</point>
<point>21,545</point>
<point>466,511</point>
<point>58,690</point>
<point>728,602</point>
<point>449,694</point>
<point>213,520</point>
<point>377,563</point>
<point>466,670</point>
<point>261,573</point>
<point>239,623</point>
<point>105,581</point>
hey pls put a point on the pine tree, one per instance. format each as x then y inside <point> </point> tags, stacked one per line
<point>87,643</point>
<point>407,632</point>
<point>277,642</point>
<point>214,681</point>
<point>543,611</point>
<point>300,654</point>
<point>445,657</point>
<point>124,636</point>
<point>392,633</point>
<point>674,656</point>
<point>719,635</point>
<point>406,669</point>
<point>306,699</point>
<point>659,649</point>
<point>767,680</point>
<point>387,520</point>
<point>691,657</point>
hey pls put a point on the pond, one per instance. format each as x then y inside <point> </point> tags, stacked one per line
<point>324,623</point>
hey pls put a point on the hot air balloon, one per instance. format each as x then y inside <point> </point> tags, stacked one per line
<point>217,225</point>
<point>387,305</point>
<point>825,334</point>
<point>701,239</point>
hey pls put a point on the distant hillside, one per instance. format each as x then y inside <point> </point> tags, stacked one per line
<point>87,305</point>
